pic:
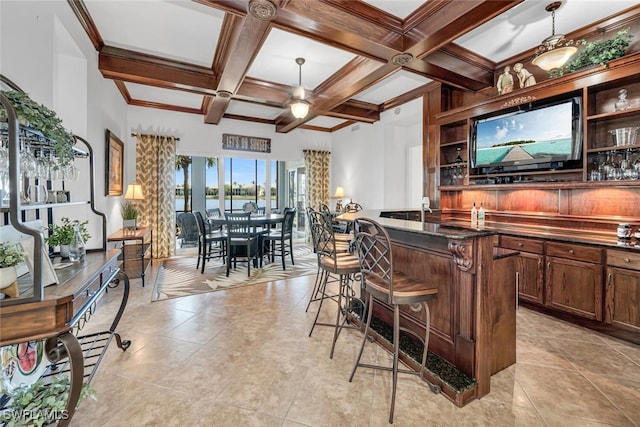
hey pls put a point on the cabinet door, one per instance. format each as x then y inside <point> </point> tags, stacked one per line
<point>530,277</point>
<point>622,299</point>
<point>574,286</point>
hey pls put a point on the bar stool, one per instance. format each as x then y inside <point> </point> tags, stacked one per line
<point>334,260</point>
<point>382,283</point>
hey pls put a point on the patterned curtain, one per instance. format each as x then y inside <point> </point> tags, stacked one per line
<point>317,165</point>
<point>155,171</point>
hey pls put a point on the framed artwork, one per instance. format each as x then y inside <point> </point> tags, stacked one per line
<point>114,169</point>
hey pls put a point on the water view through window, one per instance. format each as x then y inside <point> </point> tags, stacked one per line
<point>245,180</point>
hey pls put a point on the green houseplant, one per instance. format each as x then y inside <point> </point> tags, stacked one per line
<point>599,52</point>
<point>61,234</point>
<point>41,403</point>
<point>41,118</point>
<point>129,213</point>
<point>10,256</point>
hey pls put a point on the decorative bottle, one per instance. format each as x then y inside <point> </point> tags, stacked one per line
<point>622,103</point>
<point>481,214</point>
<point>458,156</point>
<point>474,215</point>
<point>77,251</point>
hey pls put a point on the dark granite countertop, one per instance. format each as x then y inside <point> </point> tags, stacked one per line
<point>460,229</point>
<point>446,230</point>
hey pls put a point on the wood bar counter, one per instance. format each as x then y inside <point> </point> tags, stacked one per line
<point>473,318</point>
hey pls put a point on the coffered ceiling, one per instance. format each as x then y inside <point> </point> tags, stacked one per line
<point>235,59</point>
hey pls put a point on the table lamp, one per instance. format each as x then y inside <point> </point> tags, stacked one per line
<point>129,216</point>
<point>339,195</point>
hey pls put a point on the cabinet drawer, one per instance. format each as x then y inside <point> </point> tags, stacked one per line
<point>577,252</point>
<point>522,244</point>
<point>623,259</point>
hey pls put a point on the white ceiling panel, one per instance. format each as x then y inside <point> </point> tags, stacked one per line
<point>526,25</point>
<point>276,60</point>
<point>164,96</point>
<point>399,8</point>
<point>249,109</point>
<point>325,122</point>
<point>180,30</point>
<point>398,83</point>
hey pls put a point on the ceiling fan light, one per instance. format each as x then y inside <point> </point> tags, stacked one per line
<point>299,108</point>
<point>555,58</point>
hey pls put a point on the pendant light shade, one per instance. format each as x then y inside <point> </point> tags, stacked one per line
<point>299,106</point>
<point>554,51</point>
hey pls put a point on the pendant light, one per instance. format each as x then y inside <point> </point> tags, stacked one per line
<point>299,106</point>
<point>554,51</point>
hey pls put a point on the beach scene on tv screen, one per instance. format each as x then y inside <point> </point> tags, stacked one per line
<point>537,134</point>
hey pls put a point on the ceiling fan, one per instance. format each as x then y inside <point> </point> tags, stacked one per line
<point>299,105</point>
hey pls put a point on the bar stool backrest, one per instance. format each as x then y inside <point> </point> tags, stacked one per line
<point>202,228</point>
<point>325,237</point>
<point>238,225</point>
<point>352,207</point>
<point>325,209</point>
<point>287,225</point>
<point>373,247</point>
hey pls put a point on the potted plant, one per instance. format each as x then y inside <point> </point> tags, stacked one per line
<point>62,234</point>
<point>41,118</point>
<point>10,256</point>
<point>599,52</point>
<point>41,403</point>
<point>129,213</point>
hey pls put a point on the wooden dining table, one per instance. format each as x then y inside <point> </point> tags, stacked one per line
<point>256,221</point>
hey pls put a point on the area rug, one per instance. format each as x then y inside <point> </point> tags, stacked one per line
<point>178,277</point>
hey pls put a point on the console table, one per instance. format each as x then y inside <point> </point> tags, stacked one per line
<point>133,258</point>
<point>61,315</point>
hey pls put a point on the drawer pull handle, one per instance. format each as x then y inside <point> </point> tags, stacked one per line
<point>571,251</point>
<point>627,260</point>
<point>520,244</point>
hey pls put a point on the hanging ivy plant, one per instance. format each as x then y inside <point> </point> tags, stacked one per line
<point>596,53</point>
<point>41,118</point>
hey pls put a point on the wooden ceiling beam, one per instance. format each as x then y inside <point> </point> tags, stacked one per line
<point>135,67</point>
<point>242,38</point>
<point>362,73</point>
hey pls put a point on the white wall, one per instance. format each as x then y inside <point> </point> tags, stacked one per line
<point>200,139</point>
<point>45,51</point>
<point>376,163</point>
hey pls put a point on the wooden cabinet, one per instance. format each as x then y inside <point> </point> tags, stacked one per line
<point>622,292</point>
<point>602,148</point>
<point>529,268</point>
<point>573,280</point>
<point>454,153</point>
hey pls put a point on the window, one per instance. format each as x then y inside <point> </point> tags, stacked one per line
<point>183,183</point>
<point>244,181</point>
<point>212,189</point>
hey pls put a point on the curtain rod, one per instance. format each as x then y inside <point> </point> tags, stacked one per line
<point>151,134</point>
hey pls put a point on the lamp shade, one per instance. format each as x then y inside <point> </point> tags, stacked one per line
<point>555,58</point>
<point>134,192</point>
<point>339,193</point>
<point>299,108</point>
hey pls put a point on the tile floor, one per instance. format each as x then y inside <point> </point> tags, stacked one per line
<point>243,358</point>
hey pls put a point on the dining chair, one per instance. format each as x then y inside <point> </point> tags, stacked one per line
<point>337,264</point>
<point>243,242</point>
<point>387,286</point>
<point>211,244</point>
<point>189,234</point>
<point>276,239</point>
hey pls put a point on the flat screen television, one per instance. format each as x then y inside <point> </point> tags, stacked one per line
<point>546,136</point>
